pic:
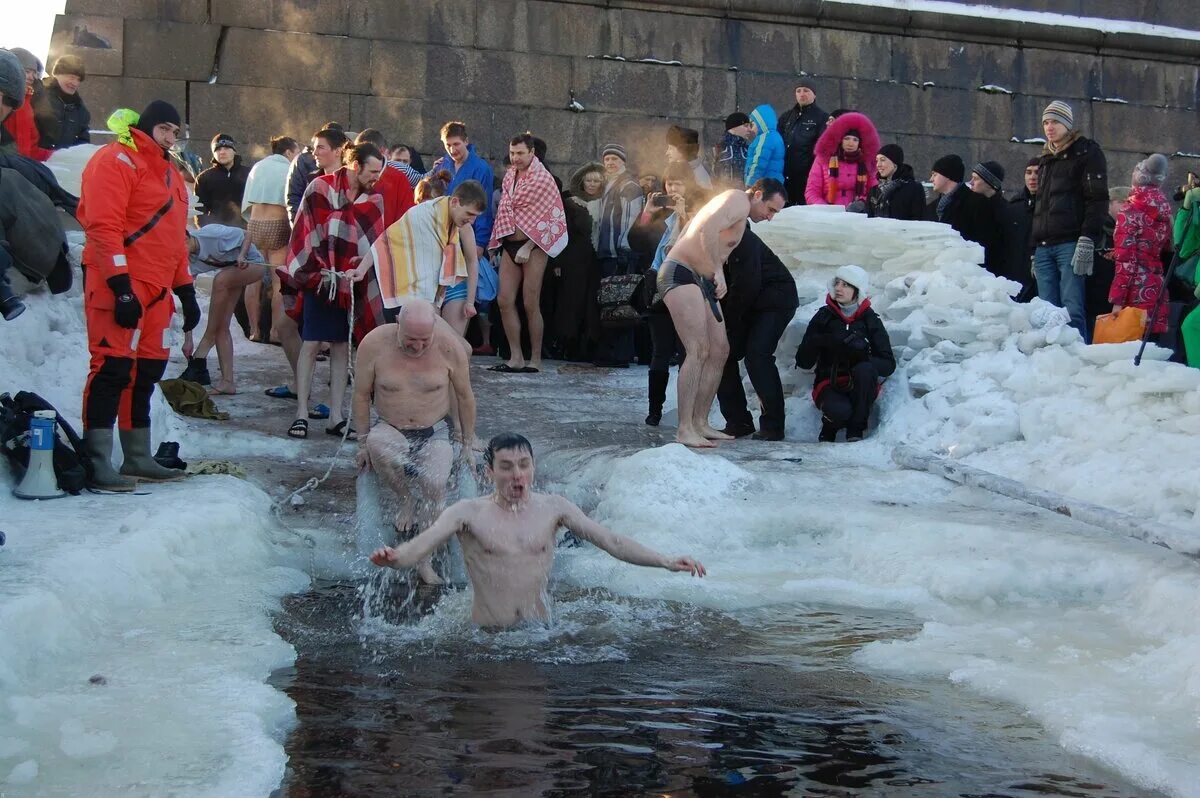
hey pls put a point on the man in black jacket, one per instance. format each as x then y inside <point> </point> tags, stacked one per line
<point>224,182</point>
<point>849,349</point>
<point>967,212</point>
<point>62,118</point>
<point>758,306</point>
<point>801,126</point>
<point>1018,227</point>
<point>1069,214</point>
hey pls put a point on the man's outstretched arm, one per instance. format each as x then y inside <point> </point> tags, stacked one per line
<point>623,548</point>
<point>408,554</point>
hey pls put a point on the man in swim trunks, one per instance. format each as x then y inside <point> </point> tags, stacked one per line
<point>690,281</point>
<point>411,367</point>
<point>508,539</point>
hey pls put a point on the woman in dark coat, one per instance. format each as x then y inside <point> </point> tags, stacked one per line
<point>898,195</point>
<point>850,352</point>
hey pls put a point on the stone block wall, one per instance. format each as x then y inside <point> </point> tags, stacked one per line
<point>257,68</point>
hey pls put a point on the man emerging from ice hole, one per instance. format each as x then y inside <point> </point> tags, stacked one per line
<point>508,539</point>
<point>850,350</point>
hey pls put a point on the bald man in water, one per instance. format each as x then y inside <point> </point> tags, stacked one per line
<point>411,369</point>
<point>508,539</point>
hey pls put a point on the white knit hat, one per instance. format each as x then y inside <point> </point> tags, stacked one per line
<point>855,276</point>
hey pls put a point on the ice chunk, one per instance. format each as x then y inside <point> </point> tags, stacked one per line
<point>23,773</point>
<point>78,743</point>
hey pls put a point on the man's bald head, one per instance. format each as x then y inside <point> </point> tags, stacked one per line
<point>416,321</point>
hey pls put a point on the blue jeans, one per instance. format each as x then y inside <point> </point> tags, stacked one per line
<point>1058,284</point>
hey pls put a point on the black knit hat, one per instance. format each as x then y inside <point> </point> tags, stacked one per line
<point>736,119</point>
<point>991,172</point>
<point>950,167</point>
<point>157,113</point>
<point>893,153</point>
<point>223,140</point>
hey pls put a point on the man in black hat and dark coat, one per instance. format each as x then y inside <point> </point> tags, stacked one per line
<point>225,181</point>
<point>801,126</point>
<point>62,117</point>
<point>758,306</point>
<point>956,205</point>
<point>898,195</point>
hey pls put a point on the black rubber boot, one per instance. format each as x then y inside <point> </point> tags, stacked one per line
<point>658,395</point>
<point>197,371</point>
<point>138,462</point>
<point>98,445</point>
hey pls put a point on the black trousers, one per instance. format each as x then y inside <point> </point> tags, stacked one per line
<point>755,341</point>
<point>851,409</point>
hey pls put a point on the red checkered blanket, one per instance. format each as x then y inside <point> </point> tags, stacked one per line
<point>532,205</point>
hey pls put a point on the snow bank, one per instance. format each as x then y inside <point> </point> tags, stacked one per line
<point>1093,635</point>
<point>167,605</point>
<point>1007,387</point>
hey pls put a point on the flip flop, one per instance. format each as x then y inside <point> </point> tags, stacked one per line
<point>339,428</point>
<point>527,370</point>
<point>319,412</point>
<point>504,368</point>
<point>280,392</point>
<point>299,429</point>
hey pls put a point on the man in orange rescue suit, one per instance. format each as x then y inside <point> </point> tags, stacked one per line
<point>133,208</point>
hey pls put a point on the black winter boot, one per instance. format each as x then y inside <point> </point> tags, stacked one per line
<point>658,395</point>
<point>829,431</point>
<point>197,371</point>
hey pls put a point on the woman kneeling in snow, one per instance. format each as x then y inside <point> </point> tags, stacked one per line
<point>1143,230</point>
<point>851,352</point>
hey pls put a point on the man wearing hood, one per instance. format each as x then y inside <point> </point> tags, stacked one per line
<point>849,349</point>
<point>766,155</point>
<point>19,133</point>
<point>225,181</point>
<point>897,195</point>
<point>801,126</point>
<point>133,207</point>
<point>62,117</point>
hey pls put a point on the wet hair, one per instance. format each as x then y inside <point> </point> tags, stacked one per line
<point>471,194</point>
<point>433,186</point>
<point>769,187</point>
<point>359,153</point>
<point>523,138</point>
<point>503,441</point>
<point>332,136</point>
<point>281,145</point>
<point>372,136</point>
<point>453,129</point>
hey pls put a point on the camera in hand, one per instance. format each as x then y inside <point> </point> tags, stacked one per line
<point>662,201</point>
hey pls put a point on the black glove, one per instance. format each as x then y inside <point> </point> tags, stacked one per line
<point>128,309</point>
<point>189,306</point>
<point>853,347</point>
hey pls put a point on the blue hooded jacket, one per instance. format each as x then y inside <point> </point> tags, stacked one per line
<point>765,158</point>
<point>474,168</point>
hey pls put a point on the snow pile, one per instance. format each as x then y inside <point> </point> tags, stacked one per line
<point>1092,635</point>
<point>135,631</point>
<point>1008,387</point>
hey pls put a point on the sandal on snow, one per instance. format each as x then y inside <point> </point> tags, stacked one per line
<point>319,412</point>
<point>280,392</point>
<point>339,428</point>
<point>504,368</point>
<point>299,429</point>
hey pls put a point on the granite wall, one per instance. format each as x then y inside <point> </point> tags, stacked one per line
<point>255,68</point>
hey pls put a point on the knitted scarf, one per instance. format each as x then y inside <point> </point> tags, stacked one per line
<point>860,180</point>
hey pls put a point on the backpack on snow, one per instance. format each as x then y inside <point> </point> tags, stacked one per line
<point>16,415</point>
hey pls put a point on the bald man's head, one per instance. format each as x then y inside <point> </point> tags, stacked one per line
<point>416,322</point>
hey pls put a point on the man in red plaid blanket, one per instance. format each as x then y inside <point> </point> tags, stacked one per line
<point>339,218</point>
<point>530,227</point>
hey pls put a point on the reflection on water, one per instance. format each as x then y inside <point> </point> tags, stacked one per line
<point>626,697</point>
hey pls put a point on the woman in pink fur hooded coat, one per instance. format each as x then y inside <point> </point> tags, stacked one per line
<point>843,170</point>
